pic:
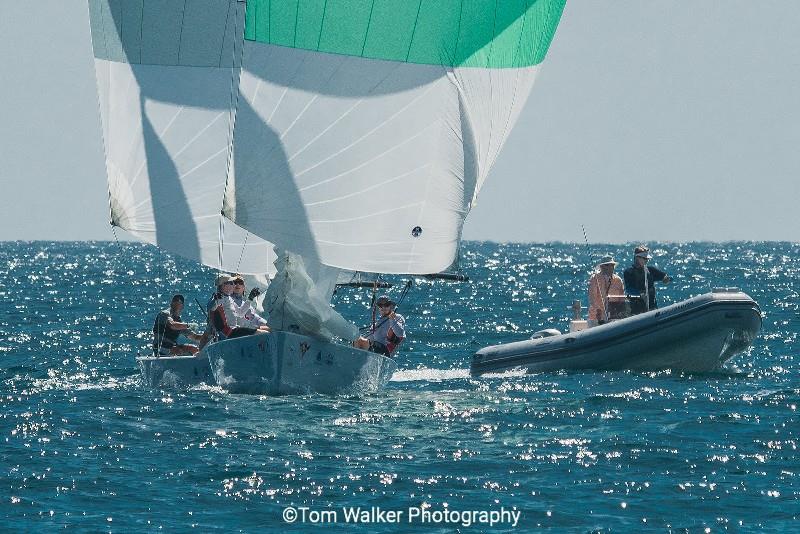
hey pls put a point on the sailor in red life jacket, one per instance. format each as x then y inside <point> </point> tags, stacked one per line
<point>218,325</point>
<point>387,333</point>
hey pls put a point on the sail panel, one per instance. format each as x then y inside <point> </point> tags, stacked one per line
<point>455,33</point>
<point>167,109</point>
<point>168,32</point>
<point>365,164</point>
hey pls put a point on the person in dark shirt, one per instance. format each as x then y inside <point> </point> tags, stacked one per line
<point>166,329</point>
<point>640,280</point>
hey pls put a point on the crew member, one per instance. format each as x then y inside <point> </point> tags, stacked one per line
<point>640,280</point>
<point>245,314</point>
<point>389,331</point>
<point>168,327</point>
<point>602,285</point>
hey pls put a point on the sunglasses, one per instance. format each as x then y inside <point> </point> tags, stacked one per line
<point>228,283</point>
<point>239,283</point>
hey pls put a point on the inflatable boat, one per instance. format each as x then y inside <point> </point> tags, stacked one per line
<point>695,335</point>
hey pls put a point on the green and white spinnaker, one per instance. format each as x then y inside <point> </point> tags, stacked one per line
<point>356,133</point>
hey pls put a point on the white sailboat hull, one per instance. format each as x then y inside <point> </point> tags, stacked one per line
<point>279,363</point>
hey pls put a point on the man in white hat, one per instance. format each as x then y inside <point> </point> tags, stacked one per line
<point>603,284</point>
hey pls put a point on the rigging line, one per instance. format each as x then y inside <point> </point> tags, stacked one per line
<point>400,299</point>
<point>103,133</point>
<point>241,254</point>
<point>114,231</point>
<point>236,74</point>
<point>372,304</point>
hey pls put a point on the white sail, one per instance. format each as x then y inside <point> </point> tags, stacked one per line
<point>364,132</point>
<point>167,74</point>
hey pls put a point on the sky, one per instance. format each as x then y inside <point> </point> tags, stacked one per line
<point>651,121</point>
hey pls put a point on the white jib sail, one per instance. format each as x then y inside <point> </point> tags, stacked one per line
<point>166,74</point>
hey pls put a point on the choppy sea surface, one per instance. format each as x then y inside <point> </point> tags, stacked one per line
<point>83,444</point>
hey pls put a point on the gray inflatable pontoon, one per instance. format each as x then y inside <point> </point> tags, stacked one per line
<point>695,335</point>
<point>277,363</point>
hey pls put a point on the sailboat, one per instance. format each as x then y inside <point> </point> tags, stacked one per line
<point>348,135</point>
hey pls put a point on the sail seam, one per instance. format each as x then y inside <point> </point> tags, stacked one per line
<point>491,88</point>
<point>236,74</point>
<point>343,115</point>
<point>296,19</point>
<point>369,133</point>
<point>458,31</point>
<point>199,133</point>
<point>180,33</point>
<point>414,30</point>
<point>514,94</point>
<point>370,188</point>
<point>322,23</point>
<point>103,23</point>
<point>224,33</point>
<point>141,33</point>
<point>366,33</point>
<point>187,173</point>
<point>369,215</point>
<point>160,136</point>
<point>367,162</point>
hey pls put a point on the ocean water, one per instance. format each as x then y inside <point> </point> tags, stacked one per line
<point>84,445</point>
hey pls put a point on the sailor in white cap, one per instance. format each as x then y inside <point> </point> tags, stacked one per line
<point>214,314</point>
<point>602,284</point>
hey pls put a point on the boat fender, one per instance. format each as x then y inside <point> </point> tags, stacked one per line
<point>549,332</point>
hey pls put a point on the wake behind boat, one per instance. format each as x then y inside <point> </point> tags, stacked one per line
<point>694,335</point>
